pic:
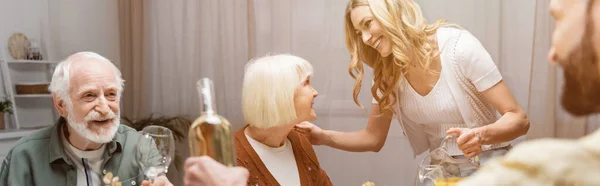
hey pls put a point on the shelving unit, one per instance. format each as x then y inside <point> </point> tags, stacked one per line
<point>14,133</point>
<point>38,22</point>
<point>33,96</point>
<point>30,62</point>
<point>30,111</point>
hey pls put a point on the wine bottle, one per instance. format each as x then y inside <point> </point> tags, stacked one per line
<point>211,134</point>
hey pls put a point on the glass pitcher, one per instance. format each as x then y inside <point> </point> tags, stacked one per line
<point>439,168</point>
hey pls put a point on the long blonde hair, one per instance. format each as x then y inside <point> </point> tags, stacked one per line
<point>402,22</point>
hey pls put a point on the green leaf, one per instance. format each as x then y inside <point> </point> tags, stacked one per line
<point>6,106</point>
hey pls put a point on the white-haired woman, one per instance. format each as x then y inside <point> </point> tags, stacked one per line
<point>276,96</point>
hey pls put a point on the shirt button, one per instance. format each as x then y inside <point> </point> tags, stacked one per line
<point>104,171</point>
<point>132,182</point>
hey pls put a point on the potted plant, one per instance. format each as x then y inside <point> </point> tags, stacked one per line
<point>5,107</point>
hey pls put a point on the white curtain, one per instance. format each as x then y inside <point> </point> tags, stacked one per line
<point>189,40</point>
<point>214,38</point>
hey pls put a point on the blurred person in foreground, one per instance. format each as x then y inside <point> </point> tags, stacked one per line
<point>575,47</point>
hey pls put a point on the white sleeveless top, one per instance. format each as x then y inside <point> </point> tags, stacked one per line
<point>437,112</point>
<point>467,70</point>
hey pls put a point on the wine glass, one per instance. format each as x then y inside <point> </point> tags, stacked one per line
<point>154,151</point>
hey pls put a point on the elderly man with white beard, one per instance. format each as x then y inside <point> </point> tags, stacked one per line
<point>88,140</point>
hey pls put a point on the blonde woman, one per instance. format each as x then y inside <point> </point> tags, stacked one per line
<point>435,79</point>
<point>277,95</point>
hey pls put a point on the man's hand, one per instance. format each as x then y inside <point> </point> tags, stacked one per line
<point>204,171</point>
<point>159,181</point>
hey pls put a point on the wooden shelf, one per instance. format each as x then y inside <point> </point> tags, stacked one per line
<point>33,96</point>
<point>15,133</point>
<point>31,62</point>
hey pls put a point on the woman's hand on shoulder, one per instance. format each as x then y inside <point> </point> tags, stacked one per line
<point>315,134</point>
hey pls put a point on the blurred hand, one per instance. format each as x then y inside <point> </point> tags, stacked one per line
<point>315,135</point>
<point>469,141</point>
<point>159,181</point>
<point>204,171</point>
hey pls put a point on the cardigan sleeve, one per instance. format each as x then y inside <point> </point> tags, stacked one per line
<point>476,63</point>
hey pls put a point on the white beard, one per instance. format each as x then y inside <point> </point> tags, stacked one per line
<point>103,135</point>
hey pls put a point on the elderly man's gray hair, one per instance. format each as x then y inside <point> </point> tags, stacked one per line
<point>61,77</point>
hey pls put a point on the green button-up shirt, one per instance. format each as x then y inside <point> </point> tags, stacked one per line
<point>40,159</point>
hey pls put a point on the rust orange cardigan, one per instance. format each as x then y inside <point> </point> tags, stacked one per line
<point>309,169</point>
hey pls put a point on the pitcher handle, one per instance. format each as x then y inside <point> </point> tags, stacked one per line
<point>448,158</point>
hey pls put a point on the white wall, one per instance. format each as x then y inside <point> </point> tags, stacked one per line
<point>518,21</point>
<point>21,16</point>
<point>86,25</point>
<point>75,25</point>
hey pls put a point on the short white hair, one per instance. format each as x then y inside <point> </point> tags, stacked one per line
<point>61,78</point>
<point>269,88</point>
